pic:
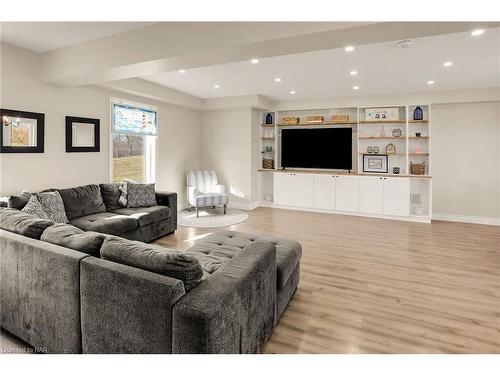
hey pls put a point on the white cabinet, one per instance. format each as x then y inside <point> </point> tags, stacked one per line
<point>283,194</point>
<point>294,189</point>
<point>371,194</point>
<point>303,190</point>
<point>397,196</point>
<point>324,191</point>
<point>384,195</point>
<point>346,193</point>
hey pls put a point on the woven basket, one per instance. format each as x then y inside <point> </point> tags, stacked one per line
<point>267,163</point>
<point>417,168</point>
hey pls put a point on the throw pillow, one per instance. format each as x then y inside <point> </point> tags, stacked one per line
<point>141,195</point>
<point>123,196</point>
<point>15,221</point>
<point>74,238</point>
<point>19,201</point>
<point>152,258</point>
<point>53,206</point>
<point>34,207</point>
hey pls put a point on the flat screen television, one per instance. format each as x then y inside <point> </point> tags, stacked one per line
<point>329,148</point>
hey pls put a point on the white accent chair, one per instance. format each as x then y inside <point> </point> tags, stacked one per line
<point>203,190</point>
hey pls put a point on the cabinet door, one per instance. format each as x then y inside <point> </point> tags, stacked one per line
<point>324,191</point>
<point>397,196</point>
<point>371,194</point>
<point>346,193</point>
<point>283,189</point>
<point>303,190</point>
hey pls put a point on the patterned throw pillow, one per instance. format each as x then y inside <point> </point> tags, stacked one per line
<point>122,201</point>
<point>34,207</point>
<point>141,195</point>
<point>53,206</point>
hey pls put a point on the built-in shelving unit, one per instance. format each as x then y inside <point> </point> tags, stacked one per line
<point>367,131</point>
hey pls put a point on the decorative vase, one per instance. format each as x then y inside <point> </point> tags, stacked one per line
<point>396,170</point>
<point>418,114</point>
<point>269,119</point>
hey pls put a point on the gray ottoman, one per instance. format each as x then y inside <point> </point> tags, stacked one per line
<point>216,249</point>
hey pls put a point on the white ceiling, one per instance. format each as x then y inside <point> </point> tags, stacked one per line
<point>382,68</point>
<point>47,36</point>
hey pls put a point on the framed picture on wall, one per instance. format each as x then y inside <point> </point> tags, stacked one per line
<point>22,132</point>
<point>375,163</point>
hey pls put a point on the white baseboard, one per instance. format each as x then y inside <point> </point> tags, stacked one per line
<point>466,218</point>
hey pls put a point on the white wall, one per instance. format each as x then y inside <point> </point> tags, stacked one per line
<point>21,88</point>
<point>226,146</point>
<point>466,159</point>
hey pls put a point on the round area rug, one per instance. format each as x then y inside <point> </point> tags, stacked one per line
<point>210,218</point>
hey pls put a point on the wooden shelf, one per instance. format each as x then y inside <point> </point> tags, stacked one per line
<point>418,121</point>
<point>382,122</point>
<point>267,139</point>
<point>400,138</point>
<point>418,154</point>
<point>319,123</point>
<point>267,125</point>
<point>396,154</point>
<point>418,137</point>
<point>342,173</point>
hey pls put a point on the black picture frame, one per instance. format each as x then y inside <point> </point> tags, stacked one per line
<point>40,131</point>
<point>69,134</point>
<point>385,161</point>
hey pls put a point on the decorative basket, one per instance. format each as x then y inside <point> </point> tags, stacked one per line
<point>417,168</point>
<point>267,163</point>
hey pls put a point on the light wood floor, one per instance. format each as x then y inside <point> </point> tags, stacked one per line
<point>381,286</point>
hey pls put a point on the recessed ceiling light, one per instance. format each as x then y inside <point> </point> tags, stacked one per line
<point>349,48</point>
<point>254,61</point>
<point>355,87</point>
<point>292,92</point>
<point>405,43</point>
<point>277,79</point>
<point>354,72</point>
<point>430,82</point>
<point>477,32</point>
<point>447,64</point>
<point>182,70</point>
<point>216,86</point>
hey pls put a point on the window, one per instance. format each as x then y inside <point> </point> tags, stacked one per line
<point>133,135</point>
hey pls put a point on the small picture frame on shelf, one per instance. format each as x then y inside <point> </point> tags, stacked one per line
<point>373,163</point>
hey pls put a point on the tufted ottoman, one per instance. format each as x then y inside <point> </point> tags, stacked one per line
<point>216,249</point>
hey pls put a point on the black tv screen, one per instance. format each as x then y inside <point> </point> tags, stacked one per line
<point>329,148</point>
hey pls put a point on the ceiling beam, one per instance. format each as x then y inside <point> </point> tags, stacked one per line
<point>171,46</point>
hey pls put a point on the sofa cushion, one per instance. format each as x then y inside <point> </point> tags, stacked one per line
<point>141,195</point>
<point>145,215</point>
<point>53,206</point>
<point>34,207</point>
<point>74,238</point>
<point>157,259</point>
<point>82,200</point>
<point>288,252</point>
<point>19,201</point>
<point>15,221</point>
<point>105,222</point>
<point>110,195</point>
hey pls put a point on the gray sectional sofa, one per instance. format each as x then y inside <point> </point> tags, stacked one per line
<point>109,294</point>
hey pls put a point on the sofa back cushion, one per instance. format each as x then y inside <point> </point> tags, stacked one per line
<point>19,201</point>
<point>110,195</point>
<point>15,221</point>
<point>74,238</point>
<point>152,258</point>
<point>82,201</point>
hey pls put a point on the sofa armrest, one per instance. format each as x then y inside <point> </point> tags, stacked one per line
<point>232,311</point>
<point>40,292</point>
<point>169,199</point>
<point>126,309</point>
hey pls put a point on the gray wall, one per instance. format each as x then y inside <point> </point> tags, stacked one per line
<point>466,159</point>
<point>21,88</point>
